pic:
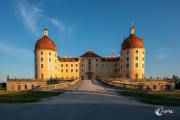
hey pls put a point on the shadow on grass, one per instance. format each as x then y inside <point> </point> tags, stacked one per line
<point>155,98</point>
<point>26,96</point>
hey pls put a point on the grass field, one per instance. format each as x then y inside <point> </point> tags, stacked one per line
<point>155,98</point>
<point>25,96</point>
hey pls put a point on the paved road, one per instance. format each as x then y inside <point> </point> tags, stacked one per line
<point>89,101</point>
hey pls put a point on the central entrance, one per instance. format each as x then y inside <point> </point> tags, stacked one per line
<point>89,75</point>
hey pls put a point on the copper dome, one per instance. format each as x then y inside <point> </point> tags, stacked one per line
<point>45,42</point>
<point>132,41</point>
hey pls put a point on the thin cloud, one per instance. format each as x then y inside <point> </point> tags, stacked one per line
<point>34,19</point>
<point>18,52</point>
<point>30,15</point>
<point>60,25</point>
<point>162,53</point>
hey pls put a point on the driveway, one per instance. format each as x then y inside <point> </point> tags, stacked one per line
<point>88,100</point>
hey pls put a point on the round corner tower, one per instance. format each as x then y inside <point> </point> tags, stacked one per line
<point>45,58</point>
<point>132,57</point>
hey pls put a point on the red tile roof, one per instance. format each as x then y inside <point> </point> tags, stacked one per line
<point>45,43</point>
<point>132,42</point>
<point>68,59</point>
<point>89,54</point>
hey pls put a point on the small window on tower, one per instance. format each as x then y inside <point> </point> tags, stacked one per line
<point>41,65</point>
<point>49,53</point>
<point>137,51</point>
<point>136,65</point>
<point>41,53</point>
<point>41,59</point>
<point>127,52</point>
<point>136,57</point>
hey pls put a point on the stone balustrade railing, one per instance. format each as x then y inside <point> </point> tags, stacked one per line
<point>59,85</point>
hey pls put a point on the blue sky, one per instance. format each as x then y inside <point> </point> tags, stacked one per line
<point>77,25</point>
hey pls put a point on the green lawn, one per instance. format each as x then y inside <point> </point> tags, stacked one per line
<point>156,98</point>
<point>25,96</point>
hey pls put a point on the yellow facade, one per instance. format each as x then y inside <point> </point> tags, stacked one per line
<point>130,64</point>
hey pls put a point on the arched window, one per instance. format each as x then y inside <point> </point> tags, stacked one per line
<point>42,76</point>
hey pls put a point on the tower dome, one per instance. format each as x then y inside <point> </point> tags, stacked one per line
<point>45,42</point>
<point>132,41</point>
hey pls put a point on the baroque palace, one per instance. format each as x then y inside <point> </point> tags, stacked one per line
<point>128,68</point>
<point>130,64</point>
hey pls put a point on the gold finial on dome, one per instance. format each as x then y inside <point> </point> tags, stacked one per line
<point>89,49</point>
<point>132,29</point>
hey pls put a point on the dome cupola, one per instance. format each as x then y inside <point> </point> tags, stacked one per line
<point>45,42</point>
<point>132,41</point>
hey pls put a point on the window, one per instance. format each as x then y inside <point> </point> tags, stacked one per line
<point>127,52</point>
<point>76,65</point>
<point>41,53</point>
<point>136,57</point>
<point>136,76</point>
<point>71,65</point>
<point>25,87</point>
<point>42,76</point>
<point>96,60</point>
<point>61,65</point>
<point>127,58</point>
<point>66,70</point>
<point>50,53</point>
<point>66,65</point>
<point>154,86</point>
<point>62,70</point>
<point>41,59</point>
<point>71,70</point>
<point>142,58</point>
<point>76,70</point>
<point>127,66</point>
<point>89,61</point>
<point>41,65</point>
<point>136,65</point>
<point>137,51</point>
